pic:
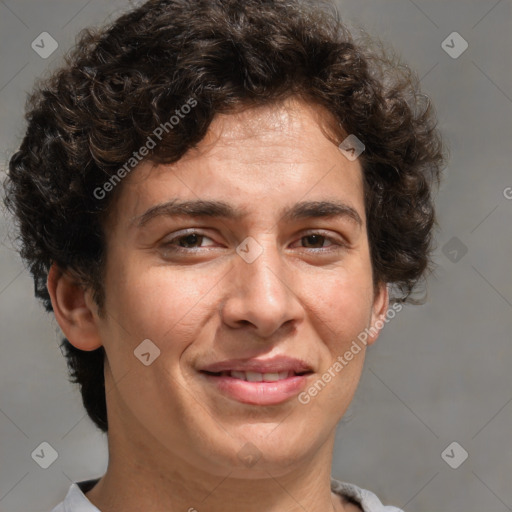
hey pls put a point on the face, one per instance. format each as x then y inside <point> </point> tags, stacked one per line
<point>276,280</point>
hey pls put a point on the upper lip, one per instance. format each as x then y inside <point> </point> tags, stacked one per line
<point>273,365</point>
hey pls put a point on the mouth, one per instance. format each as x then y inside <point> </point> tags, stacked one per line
<point>255,383</point>
<point>257,376</point>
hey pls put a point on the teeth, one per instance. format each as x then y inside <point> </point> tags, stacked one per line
<point>260,377</point>
<point>253,376</point>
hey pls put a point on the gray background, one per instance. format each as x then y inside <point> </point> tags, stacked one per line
<point>438,374</point>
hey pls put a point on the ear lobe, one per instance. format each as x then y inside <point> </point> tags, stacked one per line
<point>379,311</point>
<point>72,313</point>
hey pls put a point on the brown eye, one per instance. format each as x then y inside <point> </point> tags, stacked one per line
<point>191,243</point>
<point>314,240</point>
<point>188,240</point>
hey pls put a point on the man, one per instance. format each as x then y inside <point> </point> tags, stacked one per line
<point>216,199</point>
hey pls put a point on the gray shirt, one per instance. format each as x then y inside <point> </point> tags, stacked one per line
<point>76,501</point>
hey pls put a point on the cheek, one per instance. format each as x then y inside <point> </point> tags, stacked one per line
<point>342,305</point>
<point>340,313</point>
<point>159,302</point>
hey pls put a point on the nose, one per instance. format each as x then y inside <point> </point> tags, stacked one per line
<point>261,295</point>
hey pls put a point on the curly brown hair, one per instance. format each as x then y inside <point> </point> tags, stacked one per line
<point>121,82</point>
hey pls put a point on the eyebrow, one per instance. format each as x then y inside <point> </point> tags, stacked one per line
<point>222,210</point>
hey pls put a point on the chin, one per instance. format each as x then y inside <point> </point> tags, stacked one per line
<point>276,450</point>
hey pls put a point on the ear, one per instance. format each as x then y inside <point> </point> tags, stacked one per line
<point>379,312</point>
<point>71,306</point>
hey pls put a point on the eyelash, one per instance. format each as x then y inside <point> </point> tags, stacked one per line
<point>170,245</point>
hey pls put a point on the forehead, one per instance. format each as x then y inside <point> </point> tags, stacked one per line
<point>279,127</point>
<point>258,160</point>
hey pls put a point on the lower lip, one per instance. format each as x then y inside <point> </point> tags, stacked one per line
<point>258,393</point>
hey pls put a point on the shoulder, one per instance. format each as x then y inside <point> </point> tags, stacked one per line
<point>357,496</point>
<point>59,508</point>
<point>75,500</point>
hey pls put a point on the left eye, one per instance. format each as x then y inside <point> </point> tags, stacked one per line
<point>315,239</point>
<point>190,239</point>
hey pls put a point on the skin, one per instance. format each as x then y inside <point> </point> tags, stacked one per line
<point>173,439</point>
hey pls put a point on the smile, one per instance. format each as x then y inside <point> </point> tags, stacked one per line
<point>257,388</point>
<point>256,376</point>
